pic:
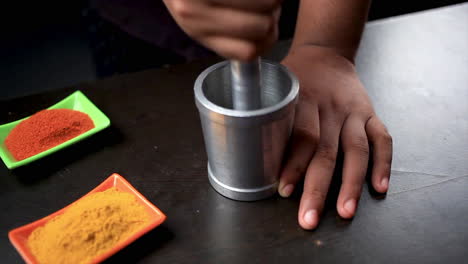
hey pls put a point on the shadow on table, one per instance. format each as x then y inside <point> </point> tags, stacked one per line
<point>40,169</point>
<point>145,245</point>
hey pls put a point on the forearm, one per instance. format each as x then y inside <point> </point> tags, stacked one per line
<point>334,24</point>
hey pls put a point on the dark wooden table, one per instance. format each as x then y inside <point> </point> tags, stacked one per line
<point>416,70</point>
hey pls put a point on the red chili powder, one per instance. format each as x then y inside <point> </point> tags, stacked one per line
<point>46,129</point>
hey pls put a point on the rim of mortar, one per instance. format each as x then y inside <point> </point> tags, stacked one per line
<point>203,101</point>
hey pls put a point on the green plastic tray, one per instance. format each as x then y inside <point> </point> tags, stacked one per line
<point>76,101</point>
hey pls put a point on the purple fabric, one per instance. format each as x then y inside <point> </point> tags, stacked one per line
<point>150,20</point>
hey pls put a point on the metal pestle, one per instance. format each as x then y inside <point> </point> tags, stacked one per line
<point>246,84</point>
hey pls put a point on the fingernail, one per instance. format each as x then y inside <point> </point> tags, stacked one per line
<point>310,217</point>
<point>384,183</point>
<point>350,206</point>
<point>287,190</point>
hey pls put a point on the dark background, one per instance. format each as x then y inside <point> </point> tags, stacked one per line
<point>52,44</point>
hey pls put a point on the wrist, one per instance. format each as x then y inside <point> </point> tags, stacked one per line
<point>317,52</point>
<point>302,60</point>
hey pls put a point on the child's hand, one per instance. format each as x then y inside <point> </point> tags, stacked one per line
<point>237,29</point>
<point>333,109</point>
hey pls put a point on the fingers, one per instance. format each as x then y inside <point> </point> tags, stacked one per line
<point>237,24</point>
<point>304,139</point>
<point>249,5</point>
<point>233,48</point>
<point>356,157</point>
<point>319,173</point>
<point>230,47</point>
<point>252,26</point>
<point>381,142</point>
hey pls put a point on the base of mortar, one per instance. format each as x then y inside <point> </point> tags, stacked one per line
<point>241,194</point>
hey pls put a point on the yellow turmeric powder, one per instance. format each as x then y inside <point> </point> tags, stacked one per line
<point>88,228</point>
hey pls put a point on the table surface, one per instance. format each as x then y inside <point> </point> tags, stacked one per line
<point>415,68</point>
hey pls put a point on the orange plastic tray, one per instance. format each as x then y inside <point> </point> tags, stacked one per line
<point>19,236</point>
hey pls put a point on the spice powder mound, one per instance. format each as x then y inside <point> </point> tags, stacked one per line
<point>88,228</point>
<point>46,129</point>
